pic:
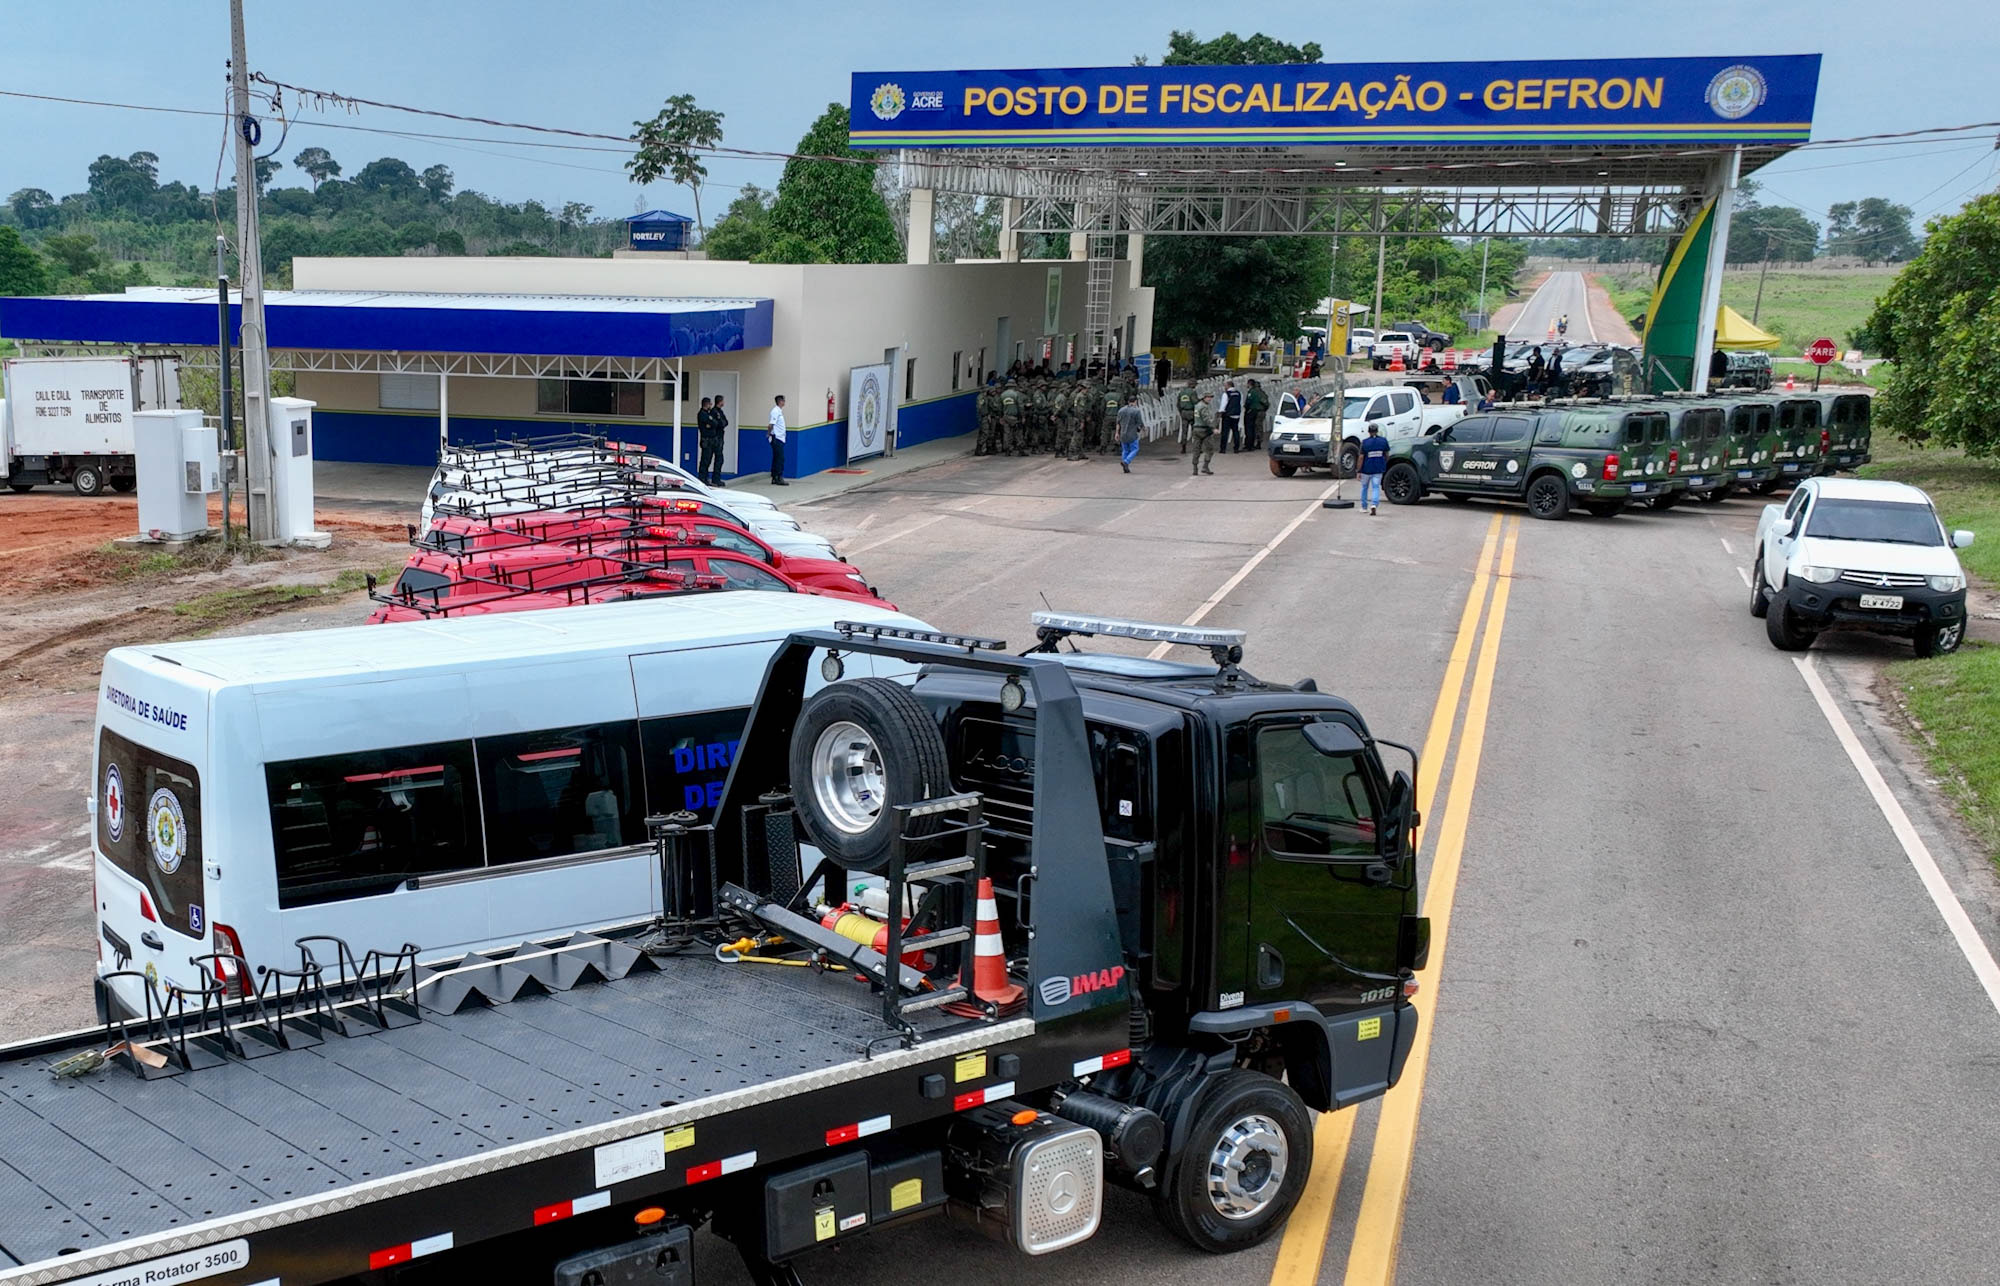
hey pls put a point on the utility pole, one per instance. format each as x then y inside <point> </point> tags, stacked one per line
<point>1485,253</point>
<point>1757,309</point>
<point>261,522</point>
<point>1381,253</point>
<point>222,372</point>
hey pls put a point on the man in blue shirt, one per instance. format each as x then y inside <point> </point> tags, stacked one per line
<point>1451,396</point>
<point>1374,463</point>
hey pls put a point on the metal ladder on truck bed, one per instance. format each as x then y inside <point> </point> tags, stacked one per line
<point>946,915</point>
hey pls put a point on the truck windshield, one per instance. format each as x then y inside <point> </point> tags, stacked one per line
<point>1893,523</point>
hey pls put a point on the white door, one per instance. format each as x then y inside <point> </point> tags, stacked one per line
<point>725,384</point>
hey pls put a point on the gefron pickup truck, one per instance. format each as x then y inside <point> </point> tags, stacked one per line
<point>1135,922</point>
<point>1845,553</point>
<point>1398,413</point>
<point>1599,457</point>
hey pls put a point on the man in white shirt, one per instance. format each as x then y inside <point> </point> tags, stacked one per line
<point>777,434</point>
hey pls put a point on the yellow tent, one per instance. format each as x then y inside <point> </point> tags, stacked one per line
<point>1734,330</point>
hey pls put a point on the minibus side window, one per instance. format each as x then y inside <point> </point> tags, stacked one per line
<point>688,758</point>
<point>353,825</point>
<point>566,790</point>
<point>149,826</point>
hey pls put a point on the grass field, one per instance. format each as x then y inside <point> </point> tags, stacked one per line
<point>1956,699</point>
<point>1800,305</point>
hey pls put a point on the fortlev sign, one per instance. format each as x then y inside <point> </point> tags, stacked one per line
<point>1625,100</point>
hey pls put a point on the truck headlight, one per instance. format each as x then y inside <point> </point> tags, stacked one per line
<point>1819,575</point>
<point>1947,584</point>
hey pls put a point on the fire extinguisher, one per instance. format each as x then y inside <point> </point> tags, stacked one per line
<point>829,406</point>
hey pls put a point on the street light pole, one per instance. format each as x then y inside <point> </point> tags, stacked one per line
<point>222,372</point>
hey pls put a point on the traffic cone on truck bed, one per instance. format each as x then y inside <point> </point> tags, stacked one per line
<point>990,982</point>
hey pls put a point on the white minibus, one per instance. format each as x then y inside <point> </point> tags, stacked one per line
<point>455,784</point>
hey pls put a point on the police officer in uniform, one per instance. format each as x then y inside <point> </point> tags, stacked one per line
<point>1184,402</point>
<point>1203,431</point>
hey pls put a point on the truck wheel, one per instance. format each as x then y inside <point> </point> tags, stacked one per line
<point>1785,636</point>
<point>1940,640</point>
<point>20,488</point>
<point>88,480</point>
<point>859,747</point>
<point>1760,599</point>
<point>1401,485</point>
<point>1282,470</point>
<point>1349,461</point>
<point>1243,1167</point>
<point>1548,496</point>
<point>1605,508</point>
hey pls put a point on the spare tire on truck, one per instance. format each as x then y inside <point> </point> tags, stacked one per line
<point>860,747</point>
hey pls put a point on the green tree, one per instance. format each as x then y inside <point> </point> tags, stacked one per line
<point>388,177</point>
<point>1874,229</point>
<point>828,211</point>
<point>670,143</point>
<point>1771,232</point>
<point>33,207</point>
<point>743,229</point>
<point>22,271</point>
<point>1209,288</point>
<point>437,181</point>
<point>1939,321</point>
<point>318,165</point>
<point>1232,50</point>
<point>266,167</point>
<point>74,253</point>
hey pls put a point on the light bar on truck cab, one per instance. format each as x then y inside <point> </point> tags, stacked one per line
<point>1117,628</point>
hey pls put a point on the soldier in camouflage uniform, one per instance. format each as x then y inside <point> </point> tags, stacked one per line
<point>989,419</point>
<point>1203,432</point>
<point>1110,399</point>
<point>1184,402</point>
<point>1080,406</point>
<point>1013,422</point>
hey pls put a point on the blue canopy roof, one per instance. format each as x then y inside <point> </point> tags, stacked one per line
<point>378,321</point>
<point>658,216</point>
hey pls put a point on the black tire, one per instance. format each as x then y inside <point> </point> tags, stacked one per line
<point>1760,599</point>
<point>1548,497</point>
<point>87,480</point>
<point>124,485</point>
<point>1282,470</point>
<point>1348,462</point>
<point>1604,508</point>
<point>20,488</point>
<point>1401,485</point>
<point>859,747</point>
<point>1784,635</point>
<point>1940,640</point>
<point>1251,1146</point>
<point>1435,345</point>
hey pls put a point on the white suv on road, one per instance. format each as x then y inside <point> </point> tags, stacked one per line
<point>1850,554</point>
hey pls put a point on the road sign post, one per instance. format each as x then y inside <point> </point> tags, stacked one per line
<point>1820,353</point>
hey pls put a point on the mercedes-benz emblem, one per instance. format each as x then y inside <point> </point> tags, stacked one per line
<point>1062,1193</point>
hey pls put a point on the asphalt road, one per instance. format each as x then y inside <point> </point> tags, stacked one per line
<point>1562,292</point>
<point>1695,1017</point>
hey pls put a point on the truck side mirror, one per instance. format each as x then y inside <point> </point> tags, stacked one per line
<point>1961,538</point>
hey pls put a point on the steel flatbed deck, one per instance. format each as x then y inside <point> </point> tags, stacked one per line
<point>472,1124</point>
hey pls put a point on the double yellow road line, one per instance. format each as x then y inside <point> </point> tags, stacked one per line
<point>1371,1259</point>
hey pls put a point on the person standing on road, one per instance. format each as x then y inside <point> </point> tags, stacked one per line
<point>1556,373</point>
<point>718,420</point>
<point>1131,423</point>
<point>704,433</point>
<point>1232,417</point>
<point>1255,403</point>
<point>1184,403</point>
<point>1374,463</point>
<point>776,434</point>
<point>1203,431</point>
<point>1536,369</point>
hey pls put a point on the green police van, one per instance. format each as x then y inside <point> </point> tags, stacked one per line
<point>1600,456</point>
<point>1845,433</point>
<point>1801,446</point>
<point>1752,443</point>
<point>1697,462</point>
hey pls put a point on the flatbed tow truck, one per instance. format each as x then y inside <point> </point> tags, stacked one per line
<point>1153,916</point>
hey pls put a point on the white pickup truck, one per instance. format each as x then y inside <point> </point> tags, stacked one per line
<point>1846,553</point>
<point>1399,413</point>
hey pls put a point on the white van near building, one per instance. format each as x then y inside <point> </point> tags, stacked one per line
<point>452,783</point>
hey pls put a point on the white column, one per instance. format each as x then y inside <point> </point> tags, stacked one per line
<point>1718,253</point>
<point>1079,242</point>
<point>923,226</point>
<point>444,413</point>
<point>679,375</point>
<point>1135,253</point>
<point>1010,239</point>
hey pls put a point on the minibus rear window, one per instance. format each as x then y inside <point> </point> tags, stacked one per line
<point>567,790</point>
<point>347,826</point>
<point>149,826</point>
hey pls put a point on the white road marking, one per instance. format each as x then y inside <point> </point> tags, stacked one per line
<point>868,522</point>
<point>78,861</point>
<point>1726,546</point>
<point>1969,942</point>
<point>892,537</point>
<point>1249,566</point>
<point>1745,575</point>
